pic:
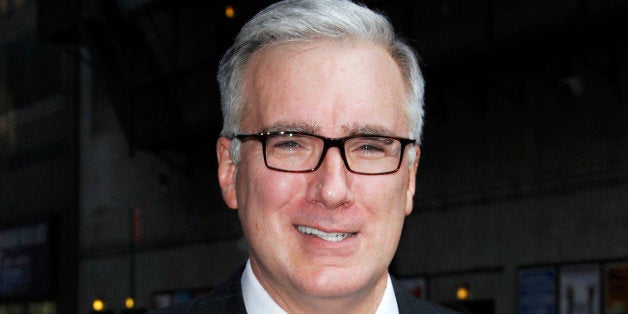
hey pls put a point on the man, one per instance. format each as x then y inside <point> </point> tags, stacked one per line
<point>322,109</point>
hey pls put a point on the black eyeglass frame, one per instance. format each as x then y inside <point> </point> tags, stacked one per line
<point>327,144</point>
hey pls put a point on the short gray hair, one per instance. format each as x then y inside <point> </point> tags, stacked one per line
<point>296,21</point>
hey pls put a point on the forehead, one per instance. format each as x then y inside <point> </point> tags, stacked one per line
<point>325,87</point>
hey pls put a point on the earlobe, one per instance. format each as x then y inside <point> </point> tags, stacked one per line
<point>226,172</point>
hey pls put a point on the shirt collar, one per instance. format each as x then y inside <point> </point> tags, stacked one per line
<point>388,305</point>
<point>257,300</point>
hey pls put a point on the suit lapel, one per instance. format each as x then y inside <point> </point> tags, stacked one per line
<point>226,298</point>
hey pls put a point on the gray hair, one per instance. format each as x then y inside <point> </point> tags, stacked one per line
<point>295,21</point>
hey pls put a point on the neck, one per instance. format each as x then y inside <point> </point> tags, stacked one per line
<point>366,303</point>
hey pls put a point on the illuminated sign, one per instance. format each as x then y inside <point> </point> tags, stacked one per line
<point>25,261</point>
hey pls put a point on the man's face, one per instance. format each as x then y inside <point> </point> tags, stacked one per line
<point>332,90</point>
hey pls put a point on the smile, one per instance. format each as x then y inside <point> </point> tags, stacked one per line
<point>331,236</point>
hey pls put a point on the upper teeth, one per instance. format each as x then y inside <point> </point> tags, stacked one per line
<point>332,236</point>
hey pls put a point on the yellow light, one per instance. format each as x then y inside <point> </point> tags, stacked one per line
<point>98,305</point>
<point>463,292</point>
<point>229,11</point>
<point>129,303</point>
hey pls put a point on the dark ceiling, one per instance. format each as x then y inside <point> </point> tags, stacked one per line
<point>158,58</point>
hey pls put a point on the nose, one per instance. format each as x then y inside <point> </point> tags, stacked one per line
<point>329,185</point>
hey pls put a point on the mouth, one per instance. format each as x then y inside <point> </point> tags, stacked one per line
<point>327,236</point>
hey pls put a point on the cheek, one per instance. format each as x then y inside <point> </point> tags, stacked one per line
<point>386,203</point>
<point>386,193</point>
<point>266,193</point>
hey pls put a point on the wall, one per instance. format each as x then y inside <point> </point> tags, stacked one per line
<point>524,162</point>
<point>536,180</point>
<point>38,148</point>
<point>188,238</point>
<point>540,182</point>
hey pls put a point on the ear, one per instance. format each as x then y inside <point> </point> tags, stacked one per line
<point>226,172</point>
<point>412,180</point>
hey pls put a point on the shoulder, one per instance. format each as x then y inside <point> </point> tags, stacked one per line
<point>409,304</point>
<point>226,298</point>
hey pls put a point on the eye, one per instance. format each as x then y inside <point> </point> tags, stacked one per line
<point>290,143</point>
<point>369,148</point>
<point>287,145</point>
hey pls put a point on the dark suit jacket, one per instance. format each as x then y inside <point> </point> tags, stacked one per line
<point>227,299</point>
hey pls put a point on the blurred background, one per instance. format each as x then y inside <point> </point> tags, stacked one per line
<point>109,113</point>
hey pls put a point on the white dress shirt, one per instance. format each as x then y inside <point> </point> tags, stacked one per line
<point>258,301</point>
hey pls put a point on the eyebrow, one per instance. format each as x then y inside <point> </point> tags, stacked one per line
<point>302,127</point>
<point>358,129</point>
<point>312,128</point>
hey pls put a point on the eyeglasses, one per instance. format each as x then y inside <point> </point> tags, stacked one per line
<point>302,152</point>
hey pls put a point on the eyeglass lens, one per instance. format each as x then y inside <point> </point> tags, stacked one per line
<point>302,152</point>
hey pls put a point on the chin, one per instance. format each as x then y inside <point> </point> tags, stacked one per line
<point>333,283</point>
